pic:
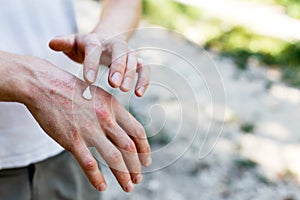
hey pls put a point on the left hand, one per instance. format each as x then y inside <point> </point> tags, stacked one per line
<point>54,98</point>
<point>94,49</point>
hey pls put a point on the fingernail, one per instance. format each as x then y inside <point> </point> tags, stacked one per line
<point>148,161</point>
<point>90,75</point>
<point>141,90</point>
<point>129,186</point>
<point>102,187</point>
<point>138,179</point>
<point>116,78</point>
<point>127,83</point>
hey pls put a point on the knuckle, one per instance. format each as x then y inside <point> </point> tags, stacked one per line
<point>103,114</point>
<point>118,64</point>
<point>108,125</point>
<point>94,43</point>
<point>146,149</point>
<point>144,81</point>
<point>90,164</point>
<point>142,66</point>
<point>73,143</point>
<point>78,37</point>
<point>75,138</point>
<point>131,69</point>
<point>130,72</point>
<point>93,35</point>
<point>116,157</point>
<point>140,132</point>
<point>120,42</point>
<point>130,147</point>
<point>134,54</point>
<point>69,147</point>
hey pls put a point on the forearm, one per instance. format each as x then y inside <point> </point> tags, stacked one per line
<point>13,77</point>
<point>24,78</point>
<point>119,16</point>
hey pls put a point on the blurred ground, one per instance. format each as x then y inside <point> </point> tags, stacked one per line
<point>256,156</point>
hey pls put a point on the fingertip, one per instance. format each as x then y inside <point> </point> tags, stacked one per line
<point>60,43</point>
<point>57,38</point>
<point>129,187</point>
<point>140,62</point>
<point>115,79</point>
<point>140,91</point>
<point>52,44</point>
<point>89,166</point>
<point>126,84</point>
<point>138,179</point>
<point>145,159</point>
<point>90,76</point>
<point>102,187</point>
<point>148,161</point>
<point>97,180</point>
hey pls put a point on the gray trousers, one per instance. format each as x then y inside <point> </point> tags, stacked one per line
<point>57,178</point>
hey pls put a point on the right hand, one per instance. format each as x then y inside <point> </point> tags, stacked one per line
<point>93,49</point>
<point>55,100</point>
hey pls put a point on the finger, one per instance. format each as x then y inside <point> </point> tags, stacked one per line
<point>129,72</point>
<point>92,51</point>
<point>128,149</point>
<point>114,160</point>
<point>144,72</point>
<point>89,166</point>
<point>123,179</point>
<point>62,43</point>
<point>117,68</point>
<point>136,132</point>
<point>69,46</point>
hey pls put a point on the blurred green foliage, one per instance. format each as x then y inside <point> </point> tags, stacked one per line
<point>237,42</point>
<point>244,163</point>
<point>241,45</point>
<point>292,7</point>
<point>247,127</point>
<point>170,14</point>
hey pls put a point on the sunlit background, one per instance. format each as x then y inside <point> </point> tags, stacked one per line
<point>254,44</point>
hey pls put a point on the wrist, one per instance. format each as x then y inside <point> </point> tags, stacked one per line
<point>31,80</point>
<point>44,81</point>
<point>13,77</point>
<point>104,33</point>
<point>119,18</point>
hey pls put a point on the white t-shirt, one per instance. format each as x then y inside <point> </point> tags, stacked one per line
<point>26,27</point>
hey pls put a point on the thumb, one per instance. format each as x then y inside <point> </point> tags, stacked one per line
<point>63,43</point>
